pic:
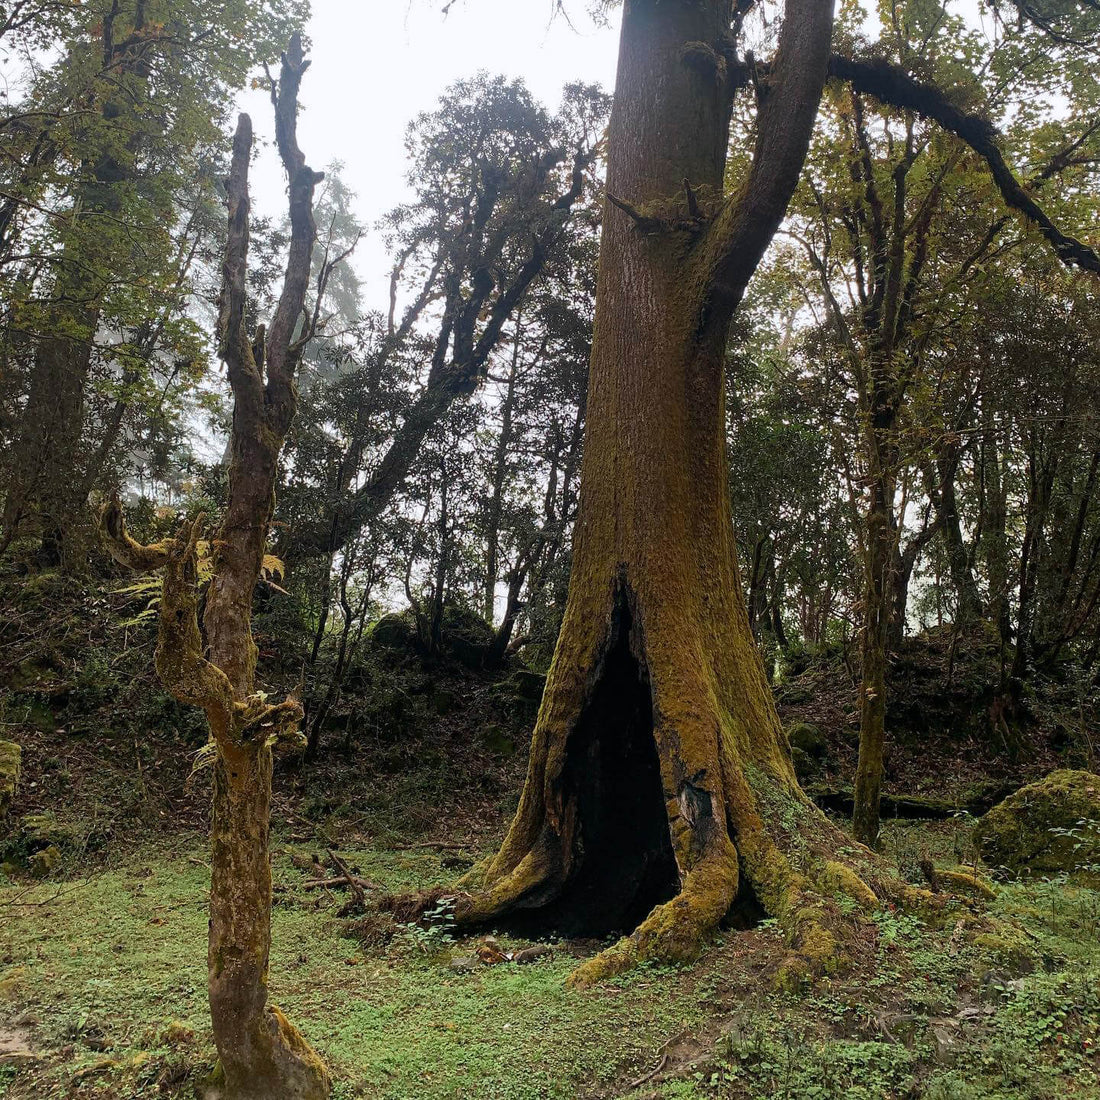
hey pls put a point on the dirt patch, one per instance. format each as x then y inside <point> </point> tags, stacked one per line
<point>15,1046</point>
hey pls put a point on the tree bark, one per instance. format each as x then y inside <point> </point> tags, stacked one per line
<point>261,1054</point>
<point>660,780</point>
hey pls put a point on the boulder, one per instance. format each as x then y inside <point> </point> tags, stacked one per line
<point>45,861</point>
<point>1050,827</point>
<point>466,635</point>
<point>397,630</point>
<point>10,758</point>
<point>809,739</point>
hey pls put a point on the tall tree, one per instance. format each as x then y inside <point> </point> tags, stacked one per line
<point>659,770</point>
<point>107,198</point>
<point>214,666</point>
<point>660,780</point>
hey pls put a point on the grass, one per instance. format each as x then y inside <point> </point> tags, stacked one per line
<point>104,977</point>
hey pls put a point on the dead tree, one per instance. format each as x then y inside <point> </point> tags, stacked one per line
<point>213,665</point>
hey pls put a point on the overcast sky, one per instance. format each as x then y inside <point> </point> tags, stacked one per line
<point>378,63</point>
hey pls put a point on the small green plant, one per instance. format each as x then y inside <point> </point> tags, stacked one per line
<point>434,932</point>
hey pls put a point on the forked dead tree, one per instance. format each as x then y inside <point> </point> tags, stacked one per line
<point>213,665</point>
<point>660,791</point>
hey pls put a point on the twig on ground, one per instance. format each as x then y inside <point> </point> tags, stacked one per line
<point>651,1074</point>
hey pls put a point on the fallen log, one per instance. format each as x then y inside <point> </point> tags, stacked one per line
<point>915,807</point>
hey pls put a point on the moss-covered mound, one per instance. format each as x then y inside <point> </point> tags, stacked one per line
<point>1049,827</point>
<point>10,756</point>
<point>465,635</point>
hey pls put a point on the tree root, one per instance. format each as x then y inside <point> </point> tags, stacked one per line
<point>674,931</point>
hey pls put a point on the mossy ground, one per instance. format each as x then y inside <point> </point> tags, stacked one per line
<point>102,966</point>
<point>102,977</point>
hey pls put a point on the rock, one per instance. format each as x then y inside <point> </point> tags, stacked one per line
<point>466,635</point>
<point>1048,828</point>
<point>44,830</point>
<point>530,954</point>
<point>808,738</point>
<point>793,695</point>
<point>465,965</point>
<point>44,862</point>
<point>498,741</point>
<point>945,1044</point>
<point>805,766</point>
<point>395,631</point>
<point>10,759</point>
<point>528,684</point>
<point>177,1034</point>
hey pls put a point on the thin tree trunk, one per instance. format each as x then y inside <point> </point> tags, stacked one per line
<point>496,497</point>
<point>876,630</point>
<point>261,1054</point>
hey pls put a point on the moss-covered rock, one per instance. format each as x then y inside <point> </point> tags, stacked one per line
<point>528,684</point>
<point>10,759</point>
<point>37,845</point>
<point>396,630</point>
<point>466,635</point>
<point>45,861</point>
<point>1049,827</point>
<point>809,739</point>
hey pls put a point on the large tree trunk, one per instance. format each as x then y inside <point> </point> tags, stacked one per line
<point>660,780</point>
<point>46,461</point>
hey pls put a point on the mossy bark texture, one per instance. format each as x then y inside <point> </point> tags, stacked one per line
<point>655,603</point>
<point>263,1057</point>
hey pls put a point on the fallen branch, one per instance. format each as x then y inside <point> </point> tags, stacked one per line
<point>914,807</point>
<point>650,1075</point>
<point>338,881</point>
<point>345,871</point>
<point>440,845</point>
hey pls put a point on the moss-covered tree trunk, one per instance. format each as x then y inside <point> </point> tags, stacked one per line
<point>881,542</point>
<point>262,1056</point>
<point>660,786</point>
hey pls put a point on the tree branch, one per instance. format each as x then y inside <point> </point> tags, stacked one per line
<point>283,353</point>
<point>747,222</point>
<point>125,550</point>
<point>234,346</point>
<point>893,86</point>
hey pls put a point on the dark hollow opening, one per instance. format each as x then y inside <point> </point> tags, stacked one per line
<point>623,859</point>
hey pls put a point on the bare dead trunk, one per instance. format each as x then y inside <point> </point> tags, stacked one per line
<point>261,1054</point>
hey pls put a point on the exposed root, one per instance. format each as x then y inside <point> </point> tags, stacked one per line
<point>674,931</point>
<point>956,882</point>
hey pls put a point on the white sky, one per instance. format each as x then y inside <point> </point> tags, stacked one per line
<point>378,63</point>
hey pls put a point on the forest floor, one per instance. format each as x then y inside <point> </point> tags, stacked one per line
<point>102,993</point>
<point>103,964</point>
